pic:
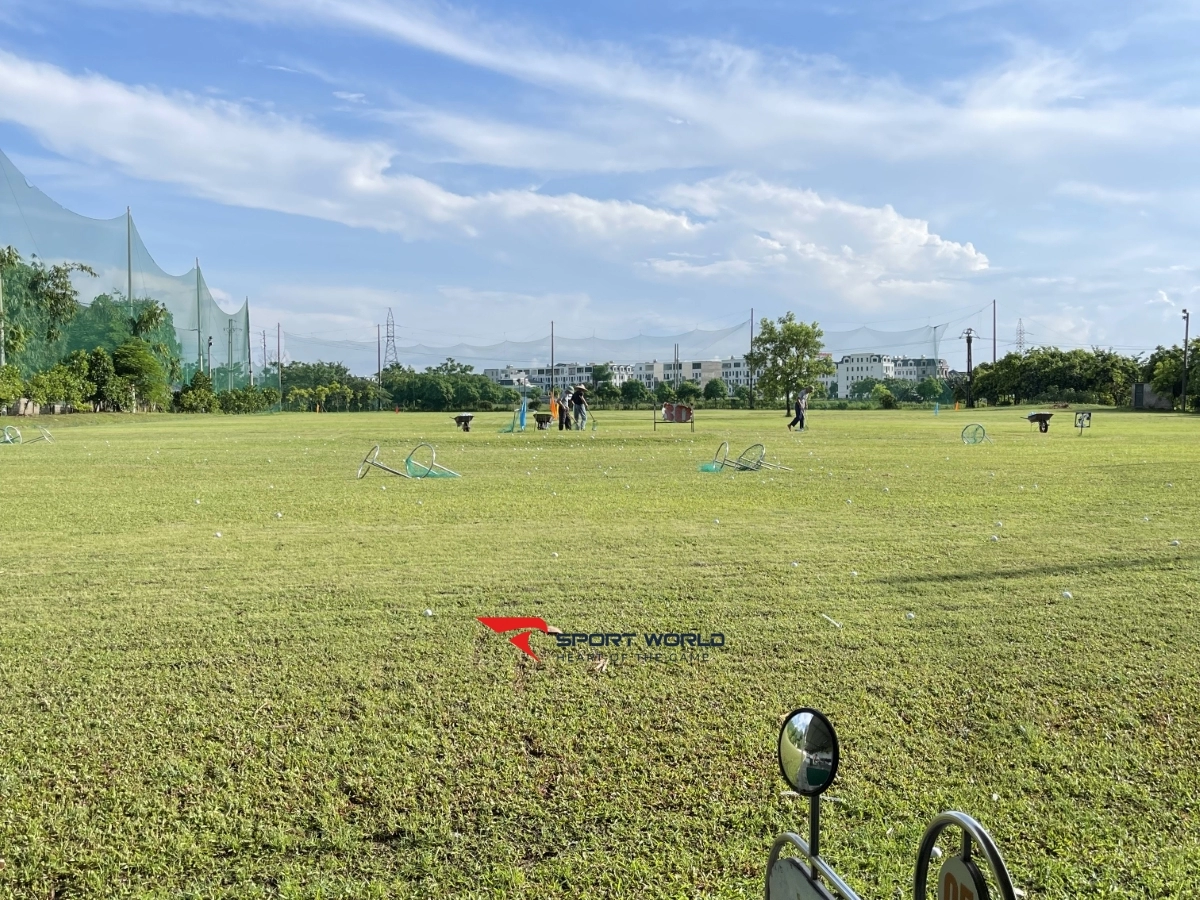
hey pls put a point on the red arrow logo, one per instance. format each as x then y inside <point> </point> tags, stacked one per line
<point>504,624</point>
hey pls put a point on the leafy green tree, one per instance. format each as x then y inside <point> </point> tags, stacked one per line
<point>634,392</point>
<point>39,302</point>
<point>450,367</point>
<point>929,389</point>
<point>688,392</point>
<point>110,391</point>
<point>135,362</point>
<point>10,384</point>
<point>787,356</point>
<point>741,393</point>
<point>466,395</point>
<point>602,373</point>
<point>716,390</point>
<point>198,396</point>
<point>663,392</point>
<point>883,396</point>
<point>608,393</point>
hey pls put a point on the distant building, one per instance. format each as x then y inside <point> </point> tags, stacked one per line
<point>920,368</point>
<point>1145,398</point>
<point>567,375</point>
<point>880,366</point>
<point>509,376</point>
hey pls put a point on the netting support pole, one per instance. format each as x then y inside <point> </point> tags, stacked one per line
<point>279,360</point>
<point>199,337</point>
<point>1,317</point>
<point>249,352</point>
<point>993,332</point>
<point>378,371</point>
<point>129,261</point>
<point>750,373</point>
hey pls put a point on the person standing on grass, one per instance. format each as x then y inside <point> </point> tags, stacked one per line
<point>579,406</point>
<point>564,413</point>
<point>801,409</point>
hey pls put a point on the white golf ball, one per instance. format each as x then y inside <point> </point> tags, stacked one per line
<point>279,515</point>
<point>994,538</point>
<point>1174,543</point>
<point>218,534</point>
<point>429,612</point>
<point>853,574</point>
<point>716,521</point>
<point>554,556</point>
<point>910,616</point>
<point>1067,595</point>
<point>197,501</point>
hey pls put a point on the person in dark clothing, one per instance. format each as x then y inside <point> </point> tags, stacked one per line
<point>564,413</point>
<point>801,409</point>
<point>579,407</point>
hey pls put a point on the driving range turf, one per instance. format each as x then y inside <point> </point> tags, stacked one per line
<point>269,713</point>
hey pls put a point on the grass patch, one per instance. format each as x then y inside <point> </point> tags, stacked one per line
<point>270,714</point>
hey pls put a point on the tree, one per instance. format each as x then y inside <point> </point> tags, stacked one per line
<point>787,356</point>
<point>716,390</point>
<point>634,392</point>
<point>39,302</point>
<point>607,392</point>
<point>10,385</point>
<point>110,391</point>
<point>602,373</point>
<point>663,392</point>
<point>135,362</point>
<point>929,389</point>
<point>688,392</point>
<point>883,396</point>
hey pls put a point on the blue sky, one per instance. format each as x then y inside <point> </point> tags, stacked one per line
<point>623,167</point>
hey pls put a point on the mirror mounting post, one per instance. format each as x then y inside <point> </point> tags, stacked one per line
<point>814,830</point>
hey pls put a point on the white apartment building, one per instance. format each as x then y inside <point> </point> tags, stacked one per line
<point>509,376</point>
<point>921,367</point>
<point>855,367</point>
<point>735,373</point>
<point>567,375</point>
<point>649,373</point>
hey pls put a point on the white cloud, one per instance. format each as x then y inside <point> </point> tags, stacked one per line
<point>621,108</point>
<point>229,153</point>
<point>867,255</point>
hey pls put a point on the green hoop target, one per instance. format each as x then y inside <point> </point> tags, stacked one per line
<point>974,434</point>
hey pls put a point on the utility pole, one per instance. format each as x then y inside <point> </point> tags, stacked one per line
<point>1187,322</point>
<point>551,357</point>
<point>210,357</point>
<point>378,371</point>
<point>993,332</point>
<point>279,360</point>
<point>264,348</point>
<point>969,334</point>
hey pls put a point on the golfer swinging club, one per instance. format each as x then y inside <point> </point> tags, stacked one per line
<point>801,408</point>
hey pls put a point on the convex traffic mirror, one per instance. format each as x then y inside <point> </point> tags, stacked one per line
<point>808,752</point>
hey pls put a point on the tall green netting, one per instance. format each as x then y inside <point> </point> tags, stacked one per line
<point>35,225</point>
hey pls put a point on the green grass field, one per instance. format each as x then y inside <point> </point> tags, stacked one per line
<point>270,713</point>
